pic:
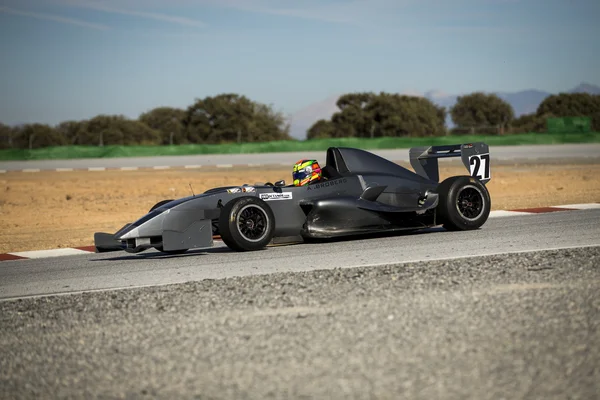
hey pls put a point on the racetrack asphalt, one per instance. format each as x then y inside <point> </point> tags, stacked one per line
<point>91,271</point>
<point>526,153</point>
<point>518,326</point>
<point>312,321</point>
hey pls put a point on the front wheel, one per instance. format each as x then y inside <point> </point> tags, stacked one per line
<point>464,203</point>
<point>246,224</point>
<point>160,203</point>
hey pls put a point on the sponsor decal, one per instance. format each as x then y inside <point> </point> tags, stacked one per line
<point>327,184</point>
<point>276,196</point>
<point>243,189</point>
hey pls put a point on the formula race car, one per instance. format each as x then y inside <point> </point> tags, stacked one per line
<point>360,193</point>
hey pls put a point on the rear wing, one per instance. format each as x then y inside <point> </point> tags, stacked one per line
<point>475,157</point>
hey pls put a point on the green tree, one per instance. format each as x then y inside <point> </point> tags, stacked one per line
<point>355,117</point>
<point>71,131</point>
<point>7,135</point>
<point>572,105</point>
<point>321,129</point>
<point>482,110</point>
<point>33,136</point>
<point>401,115</point>
<point>105,130</point>
<point>231,118</point>
<point>384,114</point>
<point>168,121</point>
<point>267,124</point>
<point>529,123</point>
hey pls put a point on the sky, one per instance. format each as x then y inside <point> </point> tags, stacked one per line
<point>74,59</point>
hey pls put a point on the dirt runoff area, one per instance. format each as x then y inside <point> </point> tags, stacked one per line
<point>45,210</point>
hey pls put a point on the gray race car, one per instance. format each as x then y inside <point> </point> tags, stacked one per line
<point>361,193</point>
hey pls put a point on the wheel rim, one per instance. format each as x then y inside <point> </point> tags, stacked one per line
<point>470,202</point>
<point>252,223</point>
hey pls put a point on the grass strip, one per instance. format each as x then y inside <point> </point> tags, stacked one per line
<point>75,152</point>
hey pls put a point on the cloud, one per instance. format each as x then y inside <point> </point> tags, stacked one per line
<point>141,14</point>
<point>412,92</point>
<point>367,14</point>
<point>52,17</point>
<point>345,12</point>
<point>314,14</point>
<point>333,11</point>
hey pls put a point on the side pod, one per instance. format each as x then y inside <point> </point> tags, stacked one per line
<point>372,192</point>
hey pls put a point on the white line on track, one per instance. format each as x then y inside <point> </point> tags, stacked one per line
<point>64,169</point>
<point>224,165</point>
<point>504,213</point>
<point>2,171</point>
<point>50,253</point>
<point>193,166</point>
<point>589,206</point>
<point>31,170</point>
<point>161,167</point>
<point>96,169</point>
<point>129,168</point>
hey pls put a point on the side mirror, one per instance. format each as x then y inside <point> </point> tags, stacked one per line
<point>280,183</point>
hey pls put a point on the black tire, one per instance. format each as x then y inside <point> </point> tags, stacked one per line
<point>160,203</point>
<point>464,203</point>
<point>160,248</point>
<point>246,224</point>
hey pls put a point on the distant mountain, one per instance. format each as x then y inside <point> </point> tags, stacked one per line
<point>523,102</point>
<point>302,120</point>
<point>586,88</point>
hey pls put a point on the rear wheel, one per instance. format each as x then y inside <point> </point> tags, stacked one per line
<point>246,224</point>
<point>464,203</point>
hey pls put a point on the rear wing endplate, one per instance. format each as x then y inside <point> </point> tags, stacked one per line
<point>475,157</point>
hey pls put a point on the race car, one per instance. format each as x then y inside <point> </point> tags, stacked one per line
<point>360,193</point>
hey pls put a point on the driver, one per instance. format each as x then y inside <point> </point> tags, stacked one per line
<point>306,172</point>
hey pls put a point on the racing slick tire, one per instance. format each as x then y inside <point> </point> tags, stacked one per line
<point>464,203</point>
<point>160,248</point>
<point>160,203</point>
<point>246,224</point>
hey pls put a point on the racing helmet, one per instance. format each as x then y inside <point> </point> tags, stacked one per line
<point>306,171</point>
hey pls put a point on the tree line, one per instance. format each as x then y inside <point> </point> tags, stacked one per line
<point>385,114</point>
<point>233,118</point>
<point>225,118</point>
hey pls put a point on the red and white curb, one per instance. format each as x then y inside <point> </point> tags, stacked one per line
<point>67,251</point>
<point>72,251</point>
<point>542,210</point>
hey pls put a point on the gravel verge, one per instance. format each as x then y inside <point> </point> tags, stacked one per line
<point>514,326</point>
